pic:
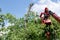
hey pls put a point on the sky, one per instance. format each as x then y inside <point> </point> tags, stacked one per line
<point>16,7</point>
<point>53,5</point>
<point>19,7</point>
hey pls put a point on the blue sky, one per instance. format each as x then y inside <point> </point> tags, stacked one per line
<point>15,7</point>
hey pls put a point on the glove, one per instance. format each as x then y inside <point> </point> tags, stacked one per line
<point>51,13</point>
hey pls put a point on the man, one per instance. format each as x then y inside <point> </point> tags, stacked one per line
<point>45,16</point>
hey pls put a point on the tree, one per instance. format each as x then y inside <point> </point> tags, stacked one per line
<point>2,18</point>
<point>32,31</point>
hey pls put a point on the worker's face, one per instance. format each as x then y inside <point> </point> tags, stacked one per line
<point>46,9</point>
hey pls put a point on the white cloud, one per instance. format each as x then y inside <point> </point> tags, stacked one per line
<point>41,4</point>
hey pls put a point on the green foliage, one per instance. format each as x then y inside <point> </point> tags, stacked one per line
<point>10,18</point>
<point>2,18</point>
<point>29,28</point>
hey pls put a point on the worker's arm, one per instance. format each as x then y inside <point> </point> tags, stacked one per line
<point>40,14</point>
<point>55,16</point>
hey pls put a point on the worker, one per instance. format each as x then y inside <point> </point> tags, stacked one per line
<point>45,16</point>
